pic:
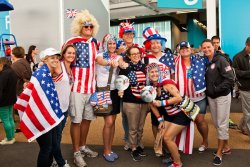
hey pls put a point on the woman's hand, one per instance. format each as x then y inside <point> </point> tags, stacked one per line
<point>156,103</point>
<point>114,63</point>
<point>161,125</point>
<point>120,93</point>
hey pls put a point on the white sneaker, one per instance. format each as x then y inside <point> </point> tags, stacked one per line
<point>86,151</point>
<point>126,146</point>
<point>78,160</point>
<point>5,141</point>
<point>66,164</point>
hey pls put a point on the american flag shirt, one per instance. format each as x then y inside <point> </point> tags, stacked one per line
<point>137,80</point>
<point>84,67</point>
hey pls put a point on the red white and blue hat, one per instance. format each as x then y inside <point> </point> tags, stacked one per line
<point>126,27</point>
<point>152,34</point>
<point>184,44</point>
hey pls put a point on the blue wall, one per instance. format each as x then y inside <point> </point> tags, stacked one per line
<point>195,33</point>
<point>234,25</point>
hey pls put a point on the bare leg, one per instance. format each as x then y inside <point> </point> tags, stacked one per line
<point>221,144</point>
<point>107,133</point>
<point>75,135</point>
<point>172,131</point>
<point>84,131</point>
<point>202,128</point>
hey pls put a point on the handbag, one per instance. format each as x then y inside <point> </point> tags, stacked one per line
<point>101,99</point>
<point>189,108</point>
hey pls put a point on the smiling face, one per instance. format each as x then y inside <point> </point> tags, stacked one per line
<point>153,75</point>
<point>87,30</point>
<point>70,55</point>
<point>52,61</point>
<point>128,37</point>
<point>111,46</point>
<point>155,46</point>
<point>185,51</point>
<point>134,55</point>
<point>208,49</point>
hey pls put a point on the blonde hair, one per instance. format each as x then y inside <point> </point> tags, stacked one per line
<point>82,17</point>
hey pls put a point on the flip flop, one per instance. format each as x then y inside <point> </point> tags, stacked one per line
<point>202,148</point>
<point>109,157</point>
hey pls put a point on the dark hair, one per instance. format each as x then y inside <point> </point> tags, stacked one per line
<point>64,49</point>
<point>215,37</point>
<point>248,41</point>
<point>5,61</point>
<point>18,52</point>
<point>127,59</point>
<point>206,40</point>
<point>168,50</point>
<point>29,57</point>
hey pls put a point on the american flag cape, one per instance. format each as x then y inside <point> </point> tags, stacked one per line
<point>84,67</point>
<point>38,105</point>
<point>198,74</point>
<point>137,81</point>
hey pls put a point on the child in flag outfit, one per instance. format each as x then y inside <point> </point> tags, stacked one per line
<point>175,120</point>
<point>133,107</point>
<point>83,27</point>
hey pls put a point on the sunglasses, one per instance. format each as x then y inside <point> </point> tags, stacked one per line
<point>89,26</point>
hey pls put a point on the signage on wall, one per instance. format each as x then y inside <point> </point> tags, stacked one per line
<point>184,4</point>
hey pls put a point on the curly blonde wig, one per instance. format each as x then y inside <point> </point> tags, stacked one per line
<point>82,17</point>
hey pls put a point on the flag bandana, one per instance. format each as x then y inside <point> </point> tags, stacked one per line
<point>38,105</point>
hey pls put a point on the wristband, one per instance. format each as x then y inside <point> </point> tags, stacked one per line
<point>164,103</point>
<point>160,119</point>
<point>108,63</point>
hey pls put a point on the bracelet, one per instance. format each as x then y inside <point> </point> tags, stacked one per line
<point>108,63</point>
<point>160,119</point>
<point>164,103</point>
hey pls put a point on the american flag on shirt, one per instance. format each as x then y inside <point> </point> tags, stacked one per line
<point>71,13</point>
<point>100,98</point>
<point>38,105</point>
<point>137,81</point>
<point>83,69</point>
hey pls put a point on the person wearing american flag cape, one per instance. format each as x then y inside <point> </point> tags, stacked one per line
<point>83,28</point>
<point>133,107</point>
<point>190,78</point>
<point>155,44</point>
<point>175,120</point>
<point>39,108</point>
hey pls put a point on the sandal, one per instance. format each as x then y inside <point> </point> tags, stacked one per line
<point>114,155</point>
<point>202,148</point>
<point>109,157</point>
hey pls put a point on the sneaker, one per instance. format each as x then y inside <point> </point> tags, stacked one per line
<point>135,155</point>
<point>6,142</point>
<point>108,157</point>
<point>232,125</point>
<point>175,165</point>
<point>114,155</point>
<point>224,152</point>
<point>141,152</point>
<point>54,163</point>
<point>202,148</point>
<point>78,160</point>
<point>126,146</point>
<point>66,164</point>
<point>217,160</point>
<point>86,151</point>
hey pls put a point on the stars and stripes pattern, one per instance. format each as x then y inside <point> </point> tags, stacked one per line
<point>71,13</point>
<point>137,81</point>
<point>38,105</point>
<point>100,98</point>
<point>58,78</point>
<point>170,109</point>
<point>84,67</point>
<point>168,60</point>
<point>198,84</point>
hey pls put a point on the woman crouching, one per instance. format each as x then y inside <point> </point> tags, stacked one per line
<point>168,97</point>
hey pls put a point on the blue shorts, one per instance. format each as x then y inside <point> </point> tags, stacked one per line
<point>203,105</point>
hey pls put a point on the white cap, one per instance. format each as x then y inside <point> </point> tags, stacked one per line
<point>48,52</point>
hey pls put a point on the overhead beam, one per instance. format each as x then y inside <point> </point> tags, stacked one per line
<point>147,5</point>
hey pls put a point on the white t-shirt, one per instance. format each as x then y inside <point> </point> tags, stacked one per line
<point>102,74</point>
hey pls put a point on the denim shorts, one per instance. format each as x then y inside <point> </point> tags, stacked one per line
<point>203,105</point>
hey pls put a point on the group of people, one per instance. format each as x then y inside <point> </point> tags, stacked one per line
<point>63,83</point>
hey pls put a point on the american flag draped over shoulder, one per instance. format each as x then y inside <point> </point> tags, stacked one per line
<point>168,60</point>
<point>137,81</point>
<point>38,105</point>
<point>198,73</point>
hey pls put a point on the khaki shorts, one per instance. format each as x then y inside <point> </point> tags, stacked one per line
<point>80,107</point>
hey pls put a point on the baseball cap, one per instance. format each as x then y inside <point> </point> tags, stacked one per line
<point>184,44</point>
<point>48,52</point>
